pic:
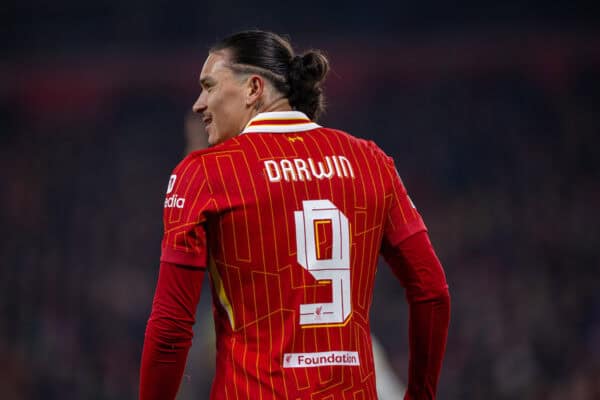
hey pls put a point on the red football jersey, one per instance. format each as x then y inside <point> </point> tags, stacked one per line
<point>289,218</point>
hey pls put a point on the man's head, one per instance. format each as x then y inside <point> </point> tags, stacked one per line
<point>256,71</point>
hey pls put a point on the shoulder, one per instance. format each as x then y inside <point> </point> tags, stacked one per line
<point>367,145</point>
<point>189,172</point>
<point>193,172</point>
<point>201,157</point>
<point>228,145</point>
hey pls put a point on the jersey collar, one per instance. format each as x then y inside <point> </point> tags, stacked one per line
<point>280,122</point>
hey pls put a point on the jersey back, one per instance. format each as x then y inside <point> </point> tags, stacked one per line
<point>289,218</point>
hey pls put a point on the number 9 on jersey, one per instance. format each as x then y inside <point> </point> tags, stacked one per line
<point>335,269</point>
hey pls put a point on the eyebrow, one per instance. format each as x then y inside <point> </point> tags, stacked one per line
<point>206,81</point>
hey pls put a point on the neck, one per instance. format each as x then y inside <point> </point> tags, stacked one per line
<point>276,104</point>
<point>269,104</point>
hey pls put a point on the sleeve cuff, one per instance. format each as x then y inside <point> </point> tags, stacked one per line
<point>183,258</point>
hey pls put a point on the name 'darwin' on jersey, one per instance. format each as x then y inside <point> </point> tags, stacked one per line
<point>298,169</point>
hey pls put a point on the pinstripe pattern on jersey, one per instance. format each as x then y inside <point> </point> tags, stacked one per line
<point>248,222</point>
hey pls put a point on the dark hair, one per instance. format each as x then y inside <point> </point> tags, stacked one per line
<point>271,56</point>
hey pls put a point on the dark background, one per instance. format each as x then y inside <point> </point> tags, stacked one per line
<point>491,111</point>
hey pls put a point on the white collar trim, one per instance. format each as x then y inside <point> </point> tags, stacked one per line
<point>281,122</point>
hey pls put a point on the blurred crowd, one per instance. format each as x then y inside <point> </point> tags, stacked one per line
<point>503,167</point>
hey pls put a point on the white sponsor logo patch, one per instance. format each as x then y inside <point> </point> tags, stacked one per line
<point>174,202</point>
<point>308,360</point>
<point>171,183</point>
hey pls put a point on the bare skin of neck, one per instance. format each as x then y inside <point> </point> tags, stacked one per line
<point>271,100</point>
<point>278,104</point>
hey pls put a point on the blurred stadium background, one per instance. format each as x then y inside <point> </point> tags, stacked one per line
<point>491,112</point>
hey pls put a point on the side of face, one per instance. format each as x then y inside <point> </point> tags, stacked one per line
<point>223,100</point>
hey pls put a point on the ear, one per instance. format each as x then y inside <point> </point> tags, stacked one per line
<point>255,86</point>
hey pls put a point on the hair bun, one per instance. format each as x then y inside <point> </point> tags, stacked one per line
<point>305,75</point>
<point>316,65</point>
<point>312,66</point>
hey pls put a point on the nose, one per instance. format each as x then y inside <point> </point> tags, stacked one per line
<point>200,104</point>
